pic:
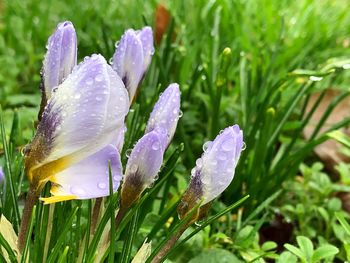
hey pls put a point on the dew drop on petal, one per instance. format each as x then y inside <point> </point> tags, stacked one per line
<point>99,77</point>
<point>76,190</point>
<point>133,168</point>
<point>155,146</point>
<point>244,146</point>
<point>228,145</point>
<point>102,185</point>
<point>207,145</point>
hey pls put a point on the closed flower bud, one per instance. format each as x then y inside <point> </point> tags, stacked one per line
<point>132,57</point>
<point>215,169</point>
<point>61,57</point>
<point>166,112</point>
<point>142,168</point>
<point>80,119</point>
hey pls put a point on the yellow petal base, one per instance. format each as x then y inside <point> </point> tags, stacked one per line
<point>57,198</point>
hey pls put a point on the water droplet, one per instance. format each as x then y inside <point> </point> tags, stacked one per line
<point>244,146</point>
<point>175,112</point>
<point>133,168</point>
<point>98,98</point>
<point>207,145</point>
<point>127,153</point>
<point>199,163</point>
<point>102,185</point>
<point>76,190</point>
<point>77,96</point>
<point>89,81</point>
<point>222,156</point>
<point>155,146</point>
<point>180,114</point>
<point>99,77</point>
<point>228,145</point>
<point>315,78</point>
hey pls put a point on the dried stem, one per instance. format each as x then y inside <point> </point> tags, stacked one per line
<point>168,245</point>
<point>31,200</point>
<point>95,214</point>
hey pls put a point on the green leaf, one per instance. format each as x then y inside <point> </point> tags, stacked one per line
<point>343,222</point>
<point>215,255</point>
<point>287,257</point>
<point>306,246</point>
<point>323,252</point>
<point>296,251</point>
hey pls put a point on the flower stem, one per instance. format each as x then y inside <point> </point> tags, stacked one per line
<point>168,245</point>
<point>95,214</point>
<point>121,213</point>
<point>32,198</point>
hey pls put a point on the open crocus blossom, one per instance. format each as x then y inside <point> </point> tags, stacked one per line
<point>132,57</point>
<point>60,58</point>
<point>215,169</point>
<point>79,121</point>
<point>166,112</point>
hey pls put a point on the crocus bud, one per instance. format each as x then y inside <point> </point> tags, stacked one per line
<point>79,120</point>
<point>132,57</point>
<point>61,57</point>
<point>142,168</point>
<point>214,171</point>
<point>166,112</point>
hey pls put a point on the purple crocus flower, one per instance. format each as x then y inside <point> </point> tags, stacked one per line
<point>2,174</point>
<point>143,166</point>
<point>81,119</point>
<point>166,112</point>
<point>132,57</point>
<point>215,169</point>
<point>60,58</point>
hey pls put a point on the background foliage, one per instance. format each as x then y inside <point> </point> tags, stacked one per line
<point>280,52</point>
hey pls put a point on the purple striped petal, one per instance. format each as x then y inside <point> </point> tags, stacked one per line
<point>215,169</point>
<point>166,112</point>
<point>82,116</point>
<point>88,178</point>
<point>61,56</point>
<point>132,57</point>
<point>146,37</point>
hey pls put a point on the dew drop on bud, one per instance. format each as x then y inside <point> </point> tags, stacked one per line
<point>127,153</point>
<point>207,145</point>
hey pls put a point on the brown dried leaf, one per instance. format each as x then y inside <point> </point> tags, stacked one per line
<point>162,22</point>
<point>329,151</point>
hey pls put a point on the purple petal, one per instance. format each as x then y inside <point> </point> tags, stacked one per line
<point>166,112</point>
<point>61,56</point>
<point>128,61</point>
<point>145,160</point>
<point>146,37</point>
<point>89,178</point>
<point>216,167</point>
<point>2,174</point>
<point>83,114</point>
<point>133,56</point>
